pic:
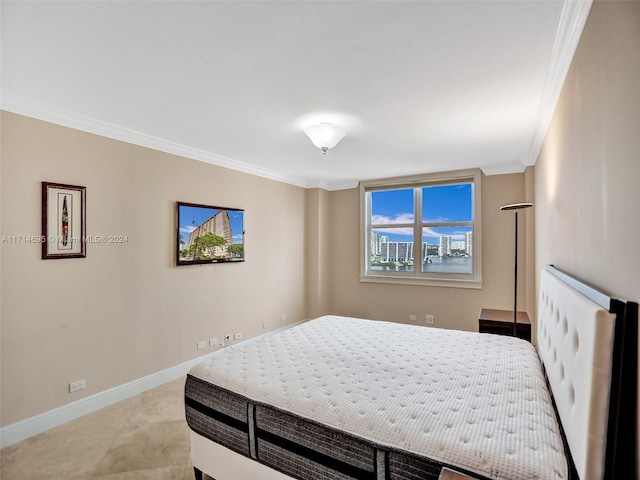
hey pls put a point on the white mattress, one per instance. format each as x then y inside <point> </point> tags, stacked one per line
<point>476,401</point>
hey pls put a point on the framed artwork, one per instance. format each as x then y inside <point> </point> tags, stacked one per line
<point>208,234</point>
<point>63,221</point>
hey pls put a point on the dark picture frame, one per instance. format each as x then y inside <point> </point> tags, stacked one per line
<point>63,221</point>
<point>208,234</point>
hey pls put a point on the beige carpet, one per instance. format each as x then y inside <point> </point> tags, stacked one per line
<point>144,437</point>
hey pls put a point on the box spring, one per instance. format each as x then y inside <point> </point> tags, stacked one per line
<point>292,445</point>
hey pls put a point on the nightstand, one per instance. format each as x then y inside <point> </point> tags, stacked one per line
<point>501,323</point>
<point>446,474</point>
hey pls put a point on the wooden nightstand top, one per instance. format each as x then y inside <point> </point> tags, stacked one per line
<point>493,315</point>
<point>500,322</point>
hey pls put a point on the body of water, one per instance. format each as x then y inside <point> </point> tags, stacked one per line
<point>437,265</point>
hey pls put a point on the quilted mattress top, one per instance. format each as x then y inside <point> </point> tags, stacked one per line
<point>475,401</point>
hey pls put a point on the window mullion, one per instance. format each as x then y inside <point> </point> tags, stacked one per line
<point>368,234</point>
<point>448,224</point>
<point>391,225</point>
<point>417,231</point>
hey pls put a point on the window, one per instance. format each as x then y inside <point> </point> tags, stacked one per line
<point>422,230</point>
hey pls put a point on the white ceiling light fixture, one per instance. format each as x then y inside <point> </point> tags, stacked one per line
<point>325,135</point>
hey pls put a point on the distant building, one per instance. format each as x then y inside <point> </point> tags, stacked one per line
<point>375,244</point>
<point>458,245</point>
<point>385,251</point>
<point>468,241</point>
<point>220,225</point>
<point>397,252</point>
<point>444,246</point>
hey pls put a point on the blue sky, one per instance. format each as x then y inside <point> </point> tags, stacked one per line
<point>199,215</point>
<point>446,203</point>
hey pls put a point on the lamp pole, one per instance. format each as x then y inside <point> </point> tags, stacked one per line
<point>515,207</point>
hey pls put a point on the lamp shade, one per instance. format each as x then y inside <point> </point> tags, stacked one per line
<point>325,135</point>
<point>516,206</point>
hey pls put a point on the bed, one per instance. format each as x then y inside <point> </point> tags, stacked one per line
<point>347,398</point>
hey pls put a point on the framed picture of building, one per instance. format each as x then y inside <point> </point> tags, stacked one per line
<point>63,221</point>
<point>208,234</point>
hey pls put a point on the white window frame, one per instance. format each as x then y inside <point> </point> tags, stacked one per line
<point>417,277</point>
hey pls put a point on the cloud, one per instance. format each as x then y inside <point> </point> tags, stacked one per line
<point>386,220</point>
<point>407,218</point>
<point>399,219</point>
<point>458,236</point>
<point>429,232</point>
<point>404,218</point>
<point>394,231</point>
<point>436,220</point>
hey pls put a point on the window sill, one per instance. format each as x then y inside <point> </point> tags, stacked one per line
<point>431,282</point>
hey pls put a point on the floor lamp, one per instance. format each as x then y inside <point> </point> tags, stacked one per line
<point>515,207</point>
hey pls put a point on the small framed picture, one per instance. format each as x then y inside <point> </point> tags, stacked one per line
<point>63,221</point>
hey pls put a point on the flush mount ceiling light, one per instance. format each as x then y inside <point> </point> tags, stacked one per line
<point>325,135</point>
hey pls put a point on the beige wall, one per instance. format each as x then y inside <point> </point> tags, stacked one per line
<point>588,173</point>
<point>318,251</point>
<point>125,311</point>
<point>453,307</point>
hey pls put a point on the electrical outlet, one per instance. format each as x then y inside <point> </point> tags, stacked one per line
<point>213,342</point>
<point>430,319</point>
<point>201,345</point>
<point>265,325</point>
<point>77,385</point>
<point>412,318</point>
<point>283,318</point>
<point>237,336</point>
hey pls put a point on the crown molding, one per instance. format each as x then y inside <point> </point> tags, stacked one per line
<point>64,118</point>
<point>570,26</point>
<point>504,169</point>
<point>47,113</point>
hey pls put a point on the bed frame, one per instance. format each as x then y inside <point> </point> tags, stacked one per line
<point>562,344</point>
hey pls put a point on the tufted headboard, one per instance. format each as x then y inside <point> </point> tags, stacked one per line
<point>586,342</point>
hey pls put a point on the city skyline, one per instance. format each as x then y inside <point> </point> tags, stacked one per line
<point>381,249</point>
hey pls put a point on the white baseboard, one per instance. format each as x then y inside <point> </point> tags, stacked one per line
<point>29,427</point>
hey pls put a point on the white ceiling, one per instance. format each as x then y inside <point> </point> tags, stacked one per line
<point>419,86</point>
